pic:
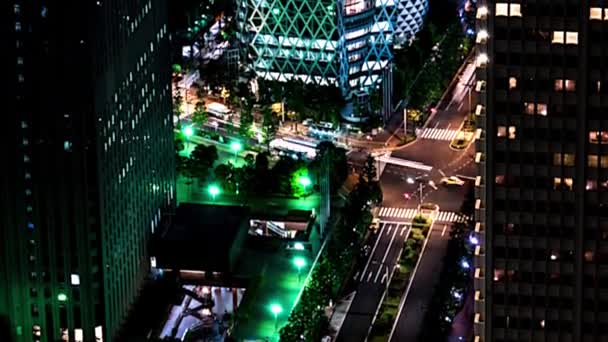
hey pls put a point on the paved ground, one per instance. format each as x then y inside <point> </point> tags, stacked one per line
<point>372,281</point>
<point>432,149</point>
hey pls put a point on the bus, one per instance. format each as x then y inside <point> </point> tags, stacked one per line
<point>218,110</point>
<point>294,147</point>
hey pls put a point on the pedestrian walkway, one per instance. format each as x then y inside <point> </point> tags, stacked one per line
<point>410,213</point>
<point>438,134</point>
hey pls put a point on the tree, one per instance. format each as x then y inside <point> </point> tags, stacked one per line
<point>178,143</point>
<point>300,189</point>
<point>224,173</point>
<point>200,115</point>
<point>177,101</point>
<point>269,125</point>
<point>337,163</point>
<point>246,120</point>
<point>369,169</point>
<point>203,158</point>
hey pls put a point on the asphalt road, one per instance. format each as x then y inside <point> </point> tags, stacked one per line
<point>445,162</point>
<point>372,281</point>
<point>427,274</point>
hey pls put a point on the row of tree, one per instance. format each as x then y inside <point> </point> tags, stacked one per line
<point>308,321</point>
<point>256,176</point>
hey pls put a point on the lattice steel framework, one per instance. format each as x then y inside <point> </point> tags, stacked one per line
<point>341,42</point>
<point>409,18</point>
<point>293,39</point>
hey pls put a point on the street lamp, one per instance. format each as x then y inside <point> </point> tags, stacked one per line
<point>298,246</point>
<point>299,262</point>
<point>236,147</point>
<point>188,132</point>
<point>276,309</point>
<point>214,190</point>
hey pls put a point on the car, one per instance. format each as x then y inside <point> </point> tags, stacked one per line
<point>307,122</point>
<point>452,180</point>
<point>375,225</point>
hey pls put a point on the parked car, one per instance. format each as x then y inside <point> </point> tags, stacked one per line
<point>307,122</point>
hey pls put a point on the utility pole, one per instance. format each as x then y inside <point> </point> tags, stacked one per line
<point>405,121</point>
<point>419,197</point>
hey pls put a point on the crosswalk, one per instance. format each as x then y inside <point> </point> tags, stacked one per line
<point>438,134</point>
<point>410,213</point>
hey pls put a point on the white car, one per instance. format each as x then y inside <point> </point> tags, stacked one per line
<point>452,180</point>
<point>307,122</point>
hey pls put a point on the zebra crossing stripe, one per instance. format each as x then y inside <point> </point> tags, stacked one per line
<point>410,213</point>
<point>438,134</point>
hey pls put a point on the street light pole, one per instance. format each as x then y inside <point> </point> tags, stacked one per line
<point>419,197</point>
<point>405,122</point>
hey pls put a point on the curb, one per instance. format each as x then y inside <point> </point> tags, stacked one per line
<point>411,281</point>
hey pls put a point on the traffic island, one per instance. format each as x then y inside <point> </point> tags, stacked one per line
<point>465,136</point>
<point>400,280</point>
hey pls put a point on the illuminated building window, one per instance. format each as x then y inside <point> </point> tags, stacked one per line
<point>512,132</point>
<point>564,37</point>
<point>589,256</point>
<point>591,185</point>
<point>562,183</point>
<point>499,274</point>
<point>75,279</point>
<point>592,161</point>
<point>535,108</point>
<point>500,179</point>
<point>508,10</point>
<point>501,132</point>
<point>598,137</point>
<point>568,85</point>
<point>512,83</point>
<point>598,13</point>
<point>566,159</point>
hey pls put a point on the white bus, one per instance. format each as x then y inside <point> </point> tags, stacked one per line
<point>218,110</point>
<point>295,148</point>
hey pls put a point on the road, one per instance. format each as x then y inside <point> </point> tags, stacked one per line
<point>432,148</point>
<point>372,281</point>
<point>411,316</point>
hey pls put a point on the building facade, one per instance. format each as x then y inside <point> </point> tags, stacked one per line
<point>88,153</point>
<point>541,266</point>
<point>346,43</point>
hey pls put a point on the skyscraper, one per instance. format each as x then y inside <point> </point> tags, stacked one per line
<point>88,167</point>
<point>347,43</point>
<point>541,267</point>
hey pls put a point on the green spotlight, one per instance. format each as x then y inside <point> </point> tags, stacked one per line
<point>214,190</point>
<point>188,131</point>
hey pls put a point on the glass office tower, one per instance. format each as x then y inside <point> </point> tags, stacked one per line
<point>88,167</point>
<point>541,268</point>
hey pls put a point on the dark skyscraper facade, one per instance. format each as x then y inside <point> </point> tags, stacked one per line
<point>87,149</point>
<point>541,266</point>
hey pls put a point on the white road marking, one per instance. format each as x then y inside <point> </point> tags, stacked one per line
<point>371,254</point>
<point>388,248</point>
<point>384,278</point>
<point>402,231</point>
<point>445,226</point>
<point>369,276</point>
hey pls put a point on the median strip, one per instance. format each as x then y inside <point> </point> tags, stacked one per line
<point>400,280</point>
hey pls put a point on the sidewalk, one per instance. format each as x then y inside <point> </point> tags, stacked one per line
<point>339,315</point>
<point>462,328</point>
